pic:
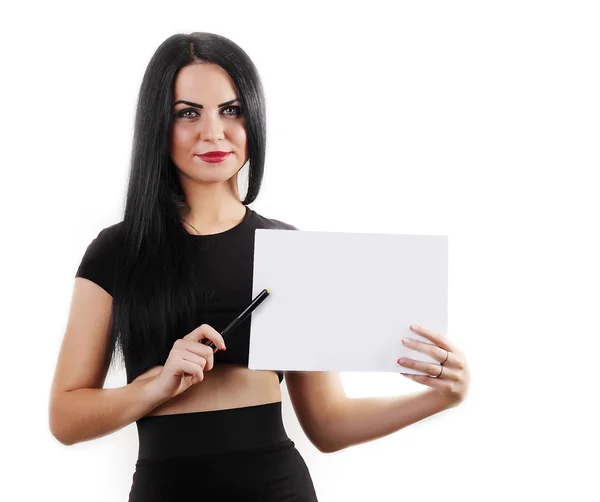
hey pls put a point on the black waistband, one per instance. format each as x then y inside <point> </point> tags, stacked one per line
<point>211,432</point>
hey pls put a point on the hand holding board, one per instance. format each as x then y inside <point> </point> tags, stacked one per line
<point>343,301</point>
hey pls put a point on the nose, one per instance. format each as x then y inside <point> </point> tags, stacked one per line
<point>211,128</point>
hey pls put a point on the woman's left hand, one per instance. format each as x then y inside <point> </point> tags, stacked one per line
<point>451,377</point>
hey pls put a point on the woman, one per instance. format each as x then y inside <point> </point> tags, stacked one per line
<point>177,270</point>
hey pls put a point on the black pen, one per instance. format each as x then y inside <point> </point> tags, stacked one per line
<point>239,319</point>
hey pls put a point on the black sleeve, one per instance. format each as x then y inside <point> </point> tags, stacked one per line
<point>99,261</point>
<point>278,224</point>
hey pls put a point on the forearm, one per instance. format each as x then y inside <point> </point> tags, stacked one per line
<point>361,420</point>
<point>84,414</point>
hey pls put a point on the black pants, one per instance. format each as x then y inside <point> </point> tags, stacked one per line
<point>241,454</point>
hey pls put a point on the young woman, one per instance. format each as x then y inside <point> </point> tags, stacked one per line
<point>177,270</point>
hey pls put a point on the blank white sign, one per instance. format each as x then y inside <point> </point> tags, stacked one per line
<point>343,301</point>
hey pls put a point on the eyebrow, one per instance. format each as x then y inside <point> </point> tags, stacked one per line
<point>200,106</point>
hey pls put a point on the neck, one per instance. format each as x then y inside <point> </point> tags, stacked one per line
<point>207,217</point>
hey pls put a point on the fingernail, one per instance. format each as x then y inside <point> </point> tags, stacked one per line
<point>401,360</point>
<point>414,327</point>
<point>405,341</point>
<point>224,348</point>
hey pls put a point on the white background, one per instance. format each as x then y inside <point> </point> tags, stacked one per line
<point>476,120</point>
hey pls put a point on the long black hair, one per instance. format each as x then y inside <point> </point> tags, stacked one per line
<point>153,303</point>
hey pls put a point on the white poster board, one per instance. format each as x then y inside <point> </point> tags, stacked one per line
<point>343,301</point>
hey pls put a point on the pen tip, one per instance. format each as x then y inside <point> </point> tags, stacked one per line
<point>268,290</point>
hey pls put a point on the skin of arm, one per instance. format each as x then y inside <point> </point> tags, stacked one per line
<point>332,421</point>
<point>83,414</point>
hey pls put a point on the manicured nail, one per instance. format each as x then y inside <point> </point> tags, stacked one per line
<point>401,360</point>
<point>405,341</point>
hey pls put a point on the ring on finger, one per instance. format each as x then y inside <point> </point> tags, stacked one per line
<point>432,370</point>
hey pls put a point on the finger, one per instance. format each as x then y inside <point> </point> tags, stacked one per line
<point>447,374</point>
<point>205,331</point>
<point>435,337</point>
<point>455,360</point>
<point>432,382</point>
<point>443,356</point>
<point>201,361</point>
<point>192,369</point>
<point>433,351</point>
<point>197,348</point>
<point>428,368</point>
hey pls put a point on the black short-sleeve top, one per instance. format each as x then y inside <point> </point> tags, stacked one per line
<point>223,263</point>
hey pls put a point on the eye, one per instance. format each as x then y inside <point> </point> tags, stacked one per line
<point>183,112</point>
<point>237,110</point>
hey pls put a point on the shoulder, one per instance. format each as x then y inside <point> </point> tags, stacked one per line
<point>99,262</point>
<point>108,239</point>
<point>265,222</point>
<point>113,232</point>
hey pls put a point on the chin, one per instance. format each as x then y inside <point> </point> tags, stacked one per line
<point>221,177</point>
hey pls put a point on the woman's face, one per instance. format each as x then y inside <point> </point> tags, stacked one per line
<point>213,126</point>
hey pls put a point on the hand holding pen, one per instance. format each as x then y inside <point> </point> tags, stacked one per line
<point>188,359</point>
<point>186,363</point>
<point>242,317</point>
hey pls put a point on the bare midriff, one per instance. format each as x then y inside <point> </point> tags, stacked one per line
<point>226,386</point>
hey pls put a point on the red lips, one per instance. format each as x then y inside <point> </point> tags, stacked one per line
<point>214,152</point>
<point>214,156</point>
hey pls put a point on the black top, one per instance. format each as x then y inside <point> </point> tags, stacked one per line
<point>223,264</point>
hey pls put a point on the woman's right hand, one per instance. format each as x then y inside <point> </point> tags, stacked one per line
<point>187,362</point>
